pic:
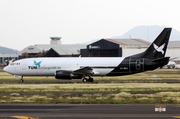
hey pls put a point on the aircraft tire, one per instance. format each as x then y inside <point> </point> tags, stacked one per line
<point>84,80</point>
<point>91,79</point>
<point>21,81</point>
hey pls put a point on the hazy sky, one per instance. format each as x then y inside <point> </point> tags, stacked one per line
<point>29,22</point>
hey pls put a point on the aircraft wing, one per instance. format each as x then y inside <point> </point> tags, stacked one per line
<point>83,71</point>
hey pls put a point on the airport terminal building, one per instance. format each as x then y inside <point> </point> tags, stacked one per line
<point>54,49</point>
<point>100,48</point>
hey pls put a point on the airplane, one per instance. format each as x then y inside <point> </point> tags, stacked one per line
<point>86,67</point>
<point>170,65</point>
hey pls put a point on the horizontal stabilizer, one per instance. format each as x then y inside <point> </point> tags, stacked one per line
<point>173,58</point>
<point>161,59</point>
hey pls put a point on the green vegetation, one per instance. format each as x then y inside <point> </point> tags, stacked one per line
<point>97,93</point>
<point>90,93</point>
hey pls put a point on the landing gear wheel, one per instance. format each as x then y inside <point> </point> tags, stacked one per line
<point>84,80</point>
<point>21,80</point>
<point>91,79</point>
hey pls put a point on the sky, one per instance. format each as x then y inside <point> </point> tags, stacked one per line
<point>30,22</point>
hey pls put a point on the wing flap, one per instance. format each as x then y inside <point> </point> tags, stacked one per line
<point>83,71</point>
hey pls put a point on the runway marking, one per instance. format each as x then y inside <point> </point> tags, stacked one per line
<point>24,117</point>
<point>176,116</point>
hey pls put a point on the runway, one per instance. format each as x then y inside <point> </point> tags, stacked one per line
<point>87,111</point>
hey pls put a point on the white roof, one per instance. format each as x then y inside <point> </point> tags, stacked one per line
<point>9,55</point>
<point>174,44</point>
<point>61,49</point>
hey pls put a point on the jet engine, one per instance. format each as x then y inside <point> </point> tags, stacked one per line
<point>63,74</point>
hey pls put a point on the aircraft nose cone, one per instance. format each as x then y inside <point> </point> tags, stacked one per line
<point>5,69</point>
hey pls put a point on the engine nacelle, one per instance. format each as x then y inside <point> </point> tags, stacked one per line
<point>63,74</point>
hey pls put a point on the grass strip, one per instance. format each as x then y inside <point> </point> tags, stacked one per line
<point>135,93</point>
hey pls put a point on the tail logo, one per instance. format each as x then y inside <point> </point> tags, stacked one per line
<point>159,48</point>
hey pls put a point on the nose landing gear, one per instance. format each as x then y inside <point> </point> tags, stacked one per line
<point>21,80</point>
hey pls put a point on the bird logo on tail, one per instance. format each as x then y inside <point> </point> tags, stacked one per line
<point>159,48</point>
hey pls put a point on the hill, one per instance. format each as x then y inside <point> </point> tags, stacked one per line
<point>149,33</point>
<point>4,50</point>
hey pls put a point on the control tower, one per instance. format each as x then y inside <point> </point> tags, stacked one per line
<point>55,40</point>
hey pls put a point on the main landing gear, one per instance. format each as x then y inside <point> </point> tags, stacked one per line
<point>87,79</point>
